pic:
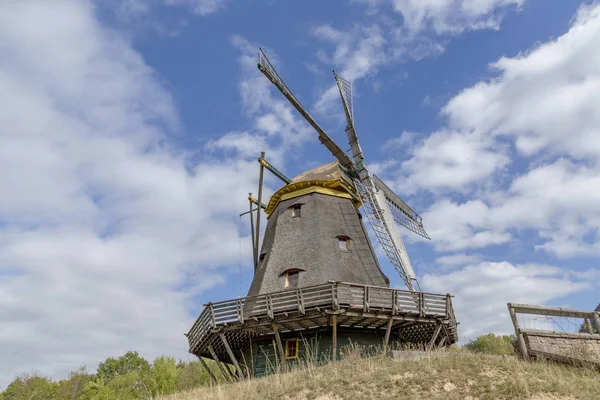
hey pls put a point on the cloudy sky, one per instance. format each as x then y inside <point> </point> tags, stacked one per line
<point>130,132</point>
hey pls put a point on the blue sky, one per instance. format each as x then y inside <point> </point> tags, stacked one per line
<point>132,130</point>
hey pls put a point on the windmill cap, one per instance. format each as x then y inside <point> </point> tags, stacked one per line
<point>326,179</point>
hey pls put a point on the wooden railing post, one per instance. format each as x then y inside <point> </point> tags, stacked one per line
<point>421,304</point>
<point>334,296</point>
<point>240,310</point>
<point>300,299</point>
<point>394,302</point>
<point>448,306</point>
<point>213,321</point>
<point>366,299</point>
<point>269,302</point>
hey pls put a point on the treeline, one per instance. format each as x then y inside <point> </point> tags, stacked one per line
<point>129,377</point>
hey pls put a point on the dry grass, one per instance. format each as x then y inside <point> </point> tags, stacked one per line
<point>455,375</point>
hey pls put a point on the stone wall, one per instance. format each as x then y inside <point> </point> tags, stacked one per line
<point>569,346</point>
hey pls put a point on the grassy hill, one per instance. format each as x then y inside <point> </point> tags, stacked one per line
<point>453,375</point>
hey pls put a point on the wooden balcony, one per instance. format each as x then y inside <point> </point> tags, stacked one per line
<point>416,317</point>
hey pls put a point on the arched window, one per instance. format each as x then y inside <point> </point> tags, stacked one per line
<point>344,243</point>
<point>291,277</point>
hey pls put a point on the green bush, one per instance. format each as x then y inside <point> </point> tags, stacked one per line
<point>492,344</point>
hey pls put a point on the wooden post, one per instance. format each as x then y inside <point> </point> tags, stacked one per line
<point>213,378</point>
<point>214,356</point>
<point>260,185</point>
<point>520,339</point>
<point>588,323</point>
<point>596,318</point>
<point>334,345</point>
<point>238,370</point>
<point>387,336</point>
<point>279,344</point>
<point>254,249</point>
<point>441,343</point>
<point>436,332</point>
<point>275,351</point>
<point>251,357</point>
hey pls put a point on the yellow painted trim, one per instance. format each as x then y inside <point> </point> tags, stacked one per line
<point>287,347</point>
<point>331,188</point>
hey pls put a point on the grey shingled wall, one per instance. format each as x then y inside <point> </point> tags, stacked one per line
<point>310,243</point>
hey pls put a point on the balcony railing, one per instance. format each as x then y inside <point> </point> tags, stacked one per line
<point>333,295</point>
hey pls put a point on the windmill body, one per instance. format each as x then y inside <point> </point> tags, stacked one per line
<point>315,234</point>
<point>318,285</point>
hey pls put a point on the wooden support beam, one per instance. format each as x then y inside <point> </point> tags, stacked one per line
<point>387,336</point>
<point>254,249</point>
<point>212,377</point>
<point>214,356</point>
<point>520,338</point>
<point>260,187</point>
<point>442,341</point>
<point>334,345</point>
<point>234,361</point>
<point>588,324</point>
<point>279,344</point>
<point>596,318</point>
<point>436,332</point>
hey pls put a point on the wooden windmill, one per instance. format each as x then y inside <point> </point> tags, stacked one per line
<point>318,284</point>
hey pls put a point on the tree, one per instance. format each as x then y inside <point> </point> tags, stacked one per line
<point>492,344</point>
<point>30,386</point>
<point>129,362</point>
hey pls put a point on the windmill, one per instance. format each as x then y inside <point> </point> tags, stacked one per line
<point>384,208</point>
<point>317,283</point>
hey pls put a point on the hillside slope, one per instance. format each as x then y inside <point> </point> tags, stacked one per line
<point>455,375</point>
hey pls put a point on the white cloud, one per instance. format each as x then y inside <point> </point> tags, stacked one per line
<point>454,16</point>
<point>450,160</point>
<point>103,233</point>
<point>459,259</point>
<point>200,7</point>
<point>545,98</point>
<point>483,290</point>
<point>365,47</point>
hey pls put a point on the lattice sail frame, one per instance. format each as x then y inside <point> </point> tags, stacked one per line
<point>346,91</point>
<point>398,256</point>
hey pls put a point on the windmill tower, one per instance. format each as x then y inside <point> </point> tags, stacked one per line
<point>317,282</point>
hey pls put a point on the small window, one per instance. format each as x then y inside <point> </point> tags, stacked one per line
<point>344,243</point>
<point>291,349</point>
<point>261,259</point>
<point>291,278</point>
<point>296,210</point>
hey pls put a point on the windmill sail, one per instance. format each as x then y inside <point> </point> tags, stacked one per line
<point>380,208</point>
<point>402,213</point>
<point>380,222</point>
<point>265,66</point>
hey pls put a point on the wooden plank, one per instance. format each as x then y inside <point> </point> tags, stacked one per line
<point>213,378</point>
<point>387,336</point>
<point>334,332</point>
<point>550,311</point>
<point>596,318</point>
<point>231,356</point>
<point>436,332</point>
<point>520,338</point>
<point>214,356</point>
<point>279,344</point>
